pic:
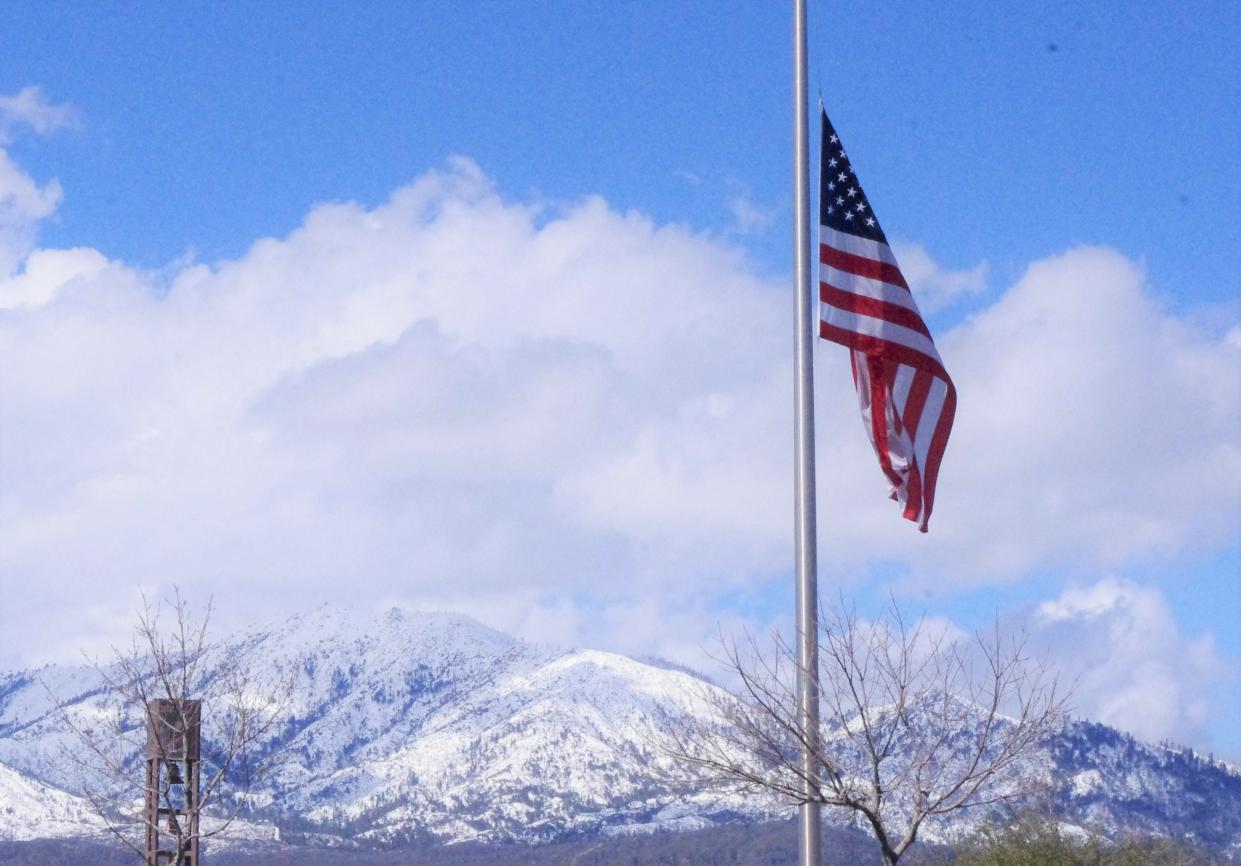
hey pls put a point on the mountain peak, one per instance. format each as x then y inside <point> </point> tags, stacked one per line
<point>405,723</point>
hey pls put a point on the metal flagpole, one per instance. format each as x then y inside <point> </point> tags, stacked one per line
<point>803,445</point>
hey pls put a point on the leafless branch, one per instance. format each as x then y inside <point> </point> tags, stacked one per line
<point>916,722</point>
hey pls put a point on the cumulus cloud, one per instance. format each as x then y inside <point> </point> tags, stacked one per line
<point>1094,428</point>
<point>439,398</point>
<point>1134,668</point>
<point>456,400</point>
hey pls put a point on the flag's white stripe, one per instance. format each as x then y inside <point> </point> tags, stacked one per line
<point>930,420</point>
<point>879,328</point>
<point>863,372</point>
<point>857,246</point>
<point>900,445</point>
<point>900,387</point>
<point>865,286</point>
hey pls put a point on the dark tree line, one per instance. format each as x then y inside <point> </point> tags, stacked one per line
<point>1032,840</point>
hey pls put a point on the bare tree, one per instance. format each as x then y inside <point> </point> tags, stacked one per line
<point>241,709</point>
<point>917,722</point>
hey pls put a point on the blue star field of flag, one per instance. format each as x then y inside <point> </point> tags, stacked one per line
<point>842,204</point>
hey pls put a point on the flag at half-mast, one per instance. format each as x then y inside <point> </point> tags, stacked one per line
<point>907,398</point>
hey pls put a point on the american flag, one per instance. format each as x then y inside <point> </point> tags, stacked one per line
<point>907,398</point>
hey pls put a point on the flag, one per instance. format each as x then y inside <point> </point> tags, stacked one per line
<point>907,398</point>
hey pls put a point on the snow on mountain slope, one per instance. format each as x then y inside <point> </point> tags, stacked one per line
<point>440,724</point>
<point>31,810</point>
<point>571,745</point>
<point>413,725</point>
<point>408,723</point>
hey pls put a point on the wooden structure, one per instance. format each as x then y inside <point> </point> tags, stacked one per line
<point>172,786</point>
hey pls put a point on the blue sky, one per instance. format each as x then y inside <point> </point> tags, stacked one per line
<point>990,139</point>
<point>1050,124</point>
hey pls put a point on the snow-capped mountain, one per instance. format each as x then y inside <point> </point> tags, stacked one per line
<point>406,725</point>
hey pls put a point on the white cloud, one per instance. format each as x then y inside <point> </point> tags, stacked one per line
<point>23,202</point>
<point>1094,428</point>
<point>29,107</point>
<point>421,401</point>
<point>1134,668</point>
<point>456,400</point>
<point>748,216</point>
<point>46,272</point>
<point>934,285</point>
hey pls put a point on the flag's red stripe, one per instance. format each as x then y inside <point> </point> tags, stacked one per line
<point>879,417</point>
<point>882,348</point>
<point>861,266</point>
<point>873,307</point>
<point>935,454</point>
<point>915,400</point>
<point>913,494</point>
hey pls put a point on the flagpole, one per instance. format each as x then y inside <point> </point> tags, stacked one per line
<point>803,446</point>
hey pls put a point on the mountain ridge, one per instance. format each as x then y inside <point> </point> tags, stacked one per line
<point>427,726</point>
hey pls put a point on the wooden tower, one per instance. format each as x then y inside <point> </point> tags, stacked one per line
<point>172,785</point>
